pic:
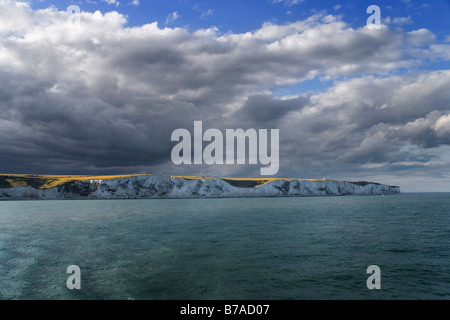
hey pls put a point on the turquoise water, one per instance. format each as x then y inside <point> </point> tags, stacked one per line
<point>268,248</point>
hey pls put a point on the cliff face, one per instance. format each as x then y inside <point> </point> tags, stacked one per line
<point>142,187</point>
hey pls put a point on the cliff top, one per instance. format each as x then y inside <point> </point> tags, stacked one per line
<point>50,181</point>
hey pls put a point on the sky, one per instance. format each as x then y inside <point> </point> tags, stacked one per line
<point>102,90</point>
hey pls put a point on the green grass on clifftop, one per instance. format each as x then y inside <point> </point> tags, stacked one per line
<point>50,181</point>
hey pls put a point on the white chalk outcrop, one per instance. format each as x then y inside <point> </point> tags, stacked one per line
<point>158,186</point>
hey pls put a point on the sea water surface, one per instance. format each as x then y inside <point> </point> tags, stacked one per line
<point>264,248</point>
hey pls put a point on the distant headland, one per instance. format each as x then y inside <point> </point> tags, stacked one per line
<point>147,186</point>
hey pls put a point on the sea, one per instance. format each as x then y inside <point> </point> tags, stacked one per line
<point>293,248</point>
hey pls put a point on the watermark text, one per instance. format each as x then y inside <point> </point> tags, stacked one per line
<point>235,140</point>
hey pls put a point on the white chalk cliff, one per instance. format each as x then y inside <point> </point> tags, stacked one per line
<point>158,186</point>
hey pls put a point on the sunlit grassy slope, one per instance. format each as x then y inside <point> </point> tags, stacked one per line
<point>47,181</point>
<point>245,182</point>
<point>51,181</point>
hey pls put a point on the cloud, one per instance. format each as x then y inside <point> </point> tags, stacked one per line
<point>370,120</point>
<point>172,17</point>
<point>100,97</point>
<point>398,20</point>
<point>262,109</point>
<point>207,13</point>
<point>288,2</point>
<point>421,37</point>
<point>442,126</point>
<point>117,3</point>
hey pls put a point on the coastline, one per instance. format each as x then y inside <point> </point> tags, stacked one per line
<point>181,187</point>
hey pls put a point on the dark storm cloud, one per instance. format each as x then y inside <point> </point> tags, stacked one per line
<point>261,109</point>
